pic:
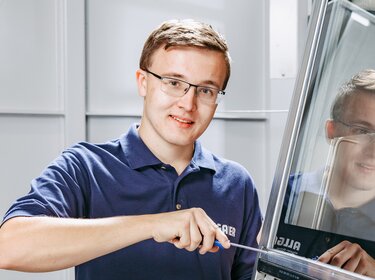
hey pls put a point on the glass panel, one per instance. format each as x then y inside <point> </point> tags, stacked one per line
<point>330,195</point>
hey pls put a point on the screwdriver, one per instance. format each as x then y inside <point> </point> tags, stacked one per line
<point>218,244</point>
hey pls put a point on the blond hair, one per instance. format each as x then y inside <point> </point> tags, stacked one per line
<point>184,33</point>
<point>364,81</point>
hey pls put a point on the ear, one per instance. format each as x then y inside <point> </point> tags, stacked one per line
<point>141,82</point>
<point>330,129</point>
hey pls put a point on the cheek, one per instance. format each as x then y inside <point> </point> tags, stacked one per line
<point>157,101</point>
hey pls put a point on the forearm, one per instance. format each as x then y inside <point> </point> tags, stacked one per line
<point>38,244</point>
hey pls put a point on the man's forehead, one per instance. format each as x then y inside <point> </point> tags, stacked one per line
<point>360,104</point>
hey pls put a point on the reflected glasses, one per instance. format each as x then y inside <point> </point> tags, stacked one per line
<point>356,129</point>
<point>178,88</point>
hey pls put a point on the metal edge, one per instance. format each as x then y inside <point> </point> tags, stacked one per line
<point>292,125</point>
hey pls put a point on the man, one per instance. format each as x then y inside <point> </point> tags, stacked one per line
<point>346,222</point>
<point>101,208</point>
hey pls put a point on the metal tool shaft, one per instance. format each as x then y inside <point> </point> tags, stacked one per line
<point>248,247</point>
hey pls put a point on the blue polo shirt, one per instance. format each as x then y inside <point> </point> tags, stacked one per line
<point>123,177</point>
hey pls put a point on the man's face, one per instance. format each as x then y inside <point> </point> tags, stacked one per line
<point>355,162</point>
<point>179,120</point>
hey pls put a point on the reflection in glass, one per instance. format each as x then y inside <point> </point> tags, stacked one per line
<point>350,188</point>
<point>347,49</point>
<point>339,198</point>
<point>330,195</point>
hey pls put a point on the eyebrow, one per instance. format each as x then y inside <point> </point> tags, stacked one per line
<point>183,78</point>
<point>364,124</point>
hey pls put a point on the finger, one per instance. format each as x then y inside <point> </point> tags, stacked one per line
<point>183,239</point>
<point>362,269</point>
<point>345,256</point>
<point>209,234</point>
<point>222,238</point>
<point>195,237</point>
<point>208,230</point>
<point>219,236</point>
<point>328,255</point>
<point>352,263</point>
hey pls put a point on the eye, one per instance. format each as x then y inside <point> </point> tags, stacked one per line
<point>360,130</point>
<point>172,83</point>
<point>206,91</point>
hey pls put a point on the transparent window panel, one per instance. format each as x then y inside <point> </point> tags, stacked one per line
<point>331,186</point>
<point>30,56</point>
<point>27,145</point>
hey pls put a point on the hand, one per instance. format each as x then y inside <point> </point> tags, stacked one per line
<point>350,256</point>
<point>189,229</point>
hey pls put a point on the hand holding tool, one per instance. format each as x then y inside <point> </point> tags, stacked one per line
<point>218,244</point>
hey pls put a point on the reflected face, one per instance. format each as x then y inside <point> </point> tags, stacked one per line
<point>356,155</point>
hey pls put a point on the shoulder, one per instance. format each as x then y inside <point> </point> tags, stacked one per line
<point>234,177</point>
<point>227,167</point>
<point>89,154</point>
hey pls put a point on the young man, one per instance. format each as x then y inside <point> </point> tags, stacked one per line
<point>346,236</point>
<point>112,210</point>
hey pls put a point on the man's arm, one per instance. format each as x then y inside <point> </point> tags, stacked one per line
<point>350,256</point>
<point>37,244</point>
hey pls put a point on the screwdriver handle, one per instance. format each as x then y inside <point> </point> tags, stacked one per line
<point>218,244</point>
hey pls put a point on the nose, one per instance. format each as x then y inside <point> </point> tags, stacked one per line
<point>189,100</point>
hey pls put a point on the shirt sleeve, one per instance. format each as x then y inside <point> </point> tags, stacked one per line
<point>57,192</point>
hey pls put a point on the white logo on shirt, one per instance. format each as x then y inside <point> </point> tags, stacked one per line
<point>228,230</point>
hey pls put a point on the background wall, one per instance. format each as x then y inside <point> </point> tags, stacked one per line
<point>67,73</point>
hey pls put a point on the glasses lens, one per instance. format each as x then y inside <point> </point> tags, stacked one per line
<point>207,94</point>
<point>174,87</point>
<point>178,88</point>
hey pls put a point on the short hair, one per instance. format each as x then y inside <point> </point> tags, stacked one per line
<point>364,81</point>
<point>186,32</point>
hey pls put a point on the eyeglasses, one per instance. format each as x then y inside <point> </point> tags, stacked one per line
<point>356,129</point>
<point>178,88</point>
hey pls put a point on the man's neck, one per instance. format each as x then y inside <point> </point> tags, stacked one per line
<point>175,155</point>
<point>348,197</point>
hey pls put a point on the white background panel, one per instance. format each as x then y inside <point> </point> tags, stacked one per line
<point>29,65</point>
<point>27,144</point>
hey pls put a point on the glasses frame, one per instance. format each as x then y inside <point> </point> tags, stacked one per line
<point>353,127</point>
<point>220,93</point>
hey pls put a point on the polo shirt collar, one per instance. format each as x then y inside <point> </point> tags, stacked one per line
<point>136,151</point>
<point>139,155</point>
<point>202,157</point>
<point>369,209</point>
<point>366,209</point>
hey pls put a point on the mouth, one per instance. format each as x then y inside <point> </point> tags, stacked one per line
<point>184,121</point>
<point>367,167</point>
